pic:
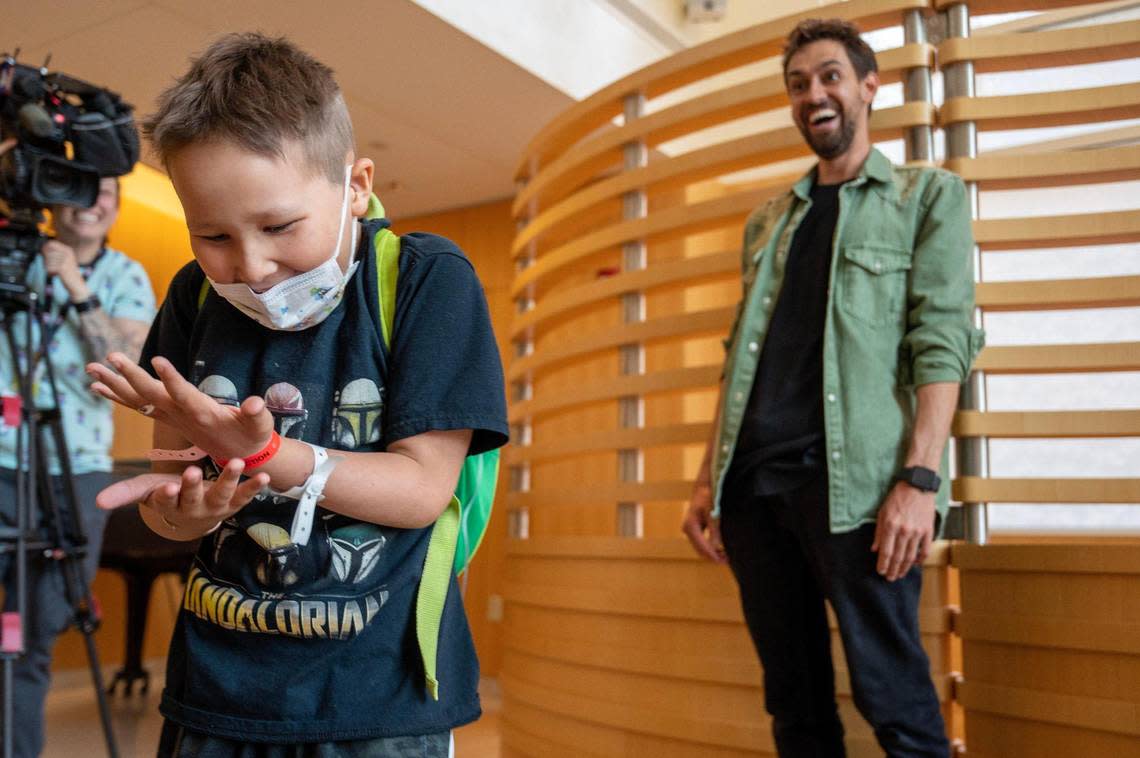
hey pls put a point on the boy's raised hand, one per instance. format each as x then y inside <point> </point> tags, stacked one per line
<point>222,431</point>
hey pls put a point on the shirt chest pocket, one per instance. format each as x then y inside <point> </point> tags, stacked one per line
<point>875,283</point>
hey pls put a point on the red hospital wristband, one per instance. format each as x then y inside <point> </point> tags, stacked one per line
<point>259,458</point>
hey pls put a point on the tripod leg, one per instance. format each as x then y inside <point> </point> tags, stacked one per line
<point>79,492</point>
<point>47,614</point>
<point>67,492</point>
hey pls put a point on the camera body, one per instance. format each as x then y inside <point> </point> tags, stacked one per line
<point>69,135</point>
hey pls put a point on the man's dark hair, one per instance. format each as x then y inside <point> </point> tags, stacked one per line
<point>844,32</point>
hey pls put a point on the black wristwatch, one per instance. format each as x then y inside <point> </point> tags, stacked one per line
<point>90,304</point>
<point>920,478</point>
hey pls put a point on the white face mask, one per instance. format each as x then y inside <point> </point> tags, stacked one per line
<point>303,300</point>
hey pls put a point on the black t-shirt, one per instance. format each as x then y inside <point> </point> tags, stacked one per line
<point>781,439</point>
<point>317,642</point>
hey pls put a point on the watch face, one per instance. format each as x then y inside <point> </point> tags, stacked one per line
<point>923,478</point>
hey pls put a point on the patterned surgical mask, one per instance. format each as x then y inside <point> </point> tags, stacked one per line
<point>303,300</point>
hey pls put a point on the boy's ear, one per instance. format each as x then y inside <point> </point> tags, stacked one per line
<point>360,185</point>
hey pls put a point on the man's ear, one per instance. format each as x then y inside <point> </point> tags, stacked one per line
<point>869,86</point>
<point>360,185</point>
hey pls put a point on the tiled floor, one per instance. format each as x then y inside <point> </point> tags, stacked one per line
<point>74,731</point>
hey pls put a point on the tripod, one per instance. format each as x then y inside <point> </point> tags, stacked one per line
<point>61,540</point>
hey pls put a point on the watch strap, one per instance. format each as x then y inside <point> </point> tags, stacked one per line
<point>85,306</point>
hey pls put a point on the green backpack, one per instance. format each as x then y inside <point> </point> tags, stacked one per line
<point>460,528</point>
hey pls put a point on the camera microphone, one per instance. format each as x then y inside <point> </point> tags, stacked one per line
<point>36,121</point>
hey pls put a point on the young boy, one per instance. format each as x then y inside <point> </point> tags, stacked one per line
<point>299,629</point>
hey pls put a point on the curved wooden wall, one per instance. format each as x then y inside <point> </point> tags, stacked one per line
<point>1051,641</point>
<point>618,641</point>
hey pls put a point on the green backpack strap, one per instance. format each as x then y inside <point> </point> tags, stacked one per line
<point>436,578</point>
<point>432,593</point>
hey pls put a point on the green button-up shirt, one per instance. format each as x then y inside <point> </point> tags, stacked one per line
<point>899,315</point>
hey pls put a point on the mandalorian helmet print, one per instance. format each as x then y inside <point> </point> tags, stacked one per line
<point>357,418</point>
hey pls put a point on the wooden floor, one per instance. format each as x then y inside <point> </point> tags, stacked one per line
<point>74,731</point>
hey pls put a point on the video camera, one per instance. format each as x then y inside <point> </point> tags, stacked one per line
<point>69,135</point>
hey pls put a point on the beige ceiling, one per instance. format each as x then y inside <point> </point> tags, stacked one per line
<point>443,116</point>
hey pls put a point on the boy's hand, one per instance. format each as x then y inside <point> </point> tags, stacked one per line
<point>187,505</point>
<point>220,430</point>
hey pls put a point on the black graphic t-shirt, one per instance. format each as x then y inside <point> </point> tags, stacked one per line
<point>283,643</point>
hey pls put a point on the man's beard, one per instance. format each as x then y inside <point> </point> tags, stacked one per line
<point>833,144</point>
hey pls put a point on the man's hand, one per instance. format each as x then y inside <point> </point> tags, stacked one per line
<point>60,260</point>
<point>701,528</point>
<point>186,505</point>
<point>904,530</point>
<point>220,430</point>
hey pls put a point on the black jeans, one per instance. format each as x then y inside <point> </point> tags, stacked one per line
<point>787,562</point>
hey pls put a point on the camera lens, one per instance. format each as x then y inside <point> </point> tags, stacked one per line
<point>56,180</point>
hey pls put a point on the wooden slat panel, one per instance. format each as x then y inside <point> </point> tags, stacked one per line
<point>1053,19</point>
<point>744,99</point>
<point>538,733</point>
<point>1047,424</point>
<point>1031,50</point>
<point>1084,712</point>
<point>600,493</point>
<point>1046,632</point>
<point>1078,106</point>
<point>721,106</point>
<point>664,602</point>
<point>632,713</point>
<point>668,327</point>
<point>1084,673</point>
<point>1049,169</point>
<point>721,54</point>
<point>1058,231</point>
<point>612,548</point>
<point>725,211</point>
<point>609,440</point>
<point>993,736</point>
<point>1060,359</point>
<point>621,548</point>
<point>695,165</point>
<point>698,650</point>
<point>969,489</point>
<point>686,272</point>
<point>1089,558</point>
<point>1059,294</point>
<point>676,380</point>
<point>982,7</point>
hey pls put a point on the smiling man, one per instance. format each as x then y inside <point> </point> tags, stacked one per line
<point>95,300</point>
<point>826,480</point>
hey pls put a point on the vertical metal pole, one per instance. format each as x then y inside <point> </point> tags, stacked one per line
<point>962,142</point>
<point>917,88</point>
<point>631,408</point>
<point>522,389</point>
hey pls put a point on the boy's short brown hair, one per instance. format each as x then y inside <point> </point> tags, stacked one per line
<point>257,92</point>
<point>844,32</point>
